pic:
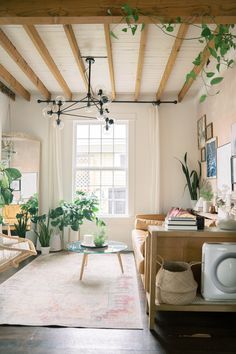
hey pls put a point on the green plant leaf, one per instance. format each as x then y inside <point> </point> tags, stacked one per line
<point>202,98</point>
<point>142,27</point>
<point>216,80</point>
<point>127,9</point>
<point>213,52</point>
<point>125,29</point>
<point>210,74</point>
<point>169,28</point>
<point>113,35</point>
<point>206,32</point>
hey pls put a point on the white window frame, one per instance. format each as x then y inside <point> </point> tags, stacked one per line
<point>126,169</point>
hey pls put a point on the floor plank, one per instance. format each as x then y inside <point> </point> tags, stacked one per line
<point>175,333</point>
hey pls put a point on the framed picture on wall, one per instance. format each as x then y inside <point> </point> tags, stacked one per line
<point>209,131</point>
<point>233,139</point>
<point>201,132</point>
<point>203,154</point>
<point>233,172</point>
<point>211,155</point>
<point>16,185</point>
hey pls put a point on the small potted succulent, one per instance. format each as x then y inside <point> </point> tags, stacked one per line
<point>207,194</point>
<point>44,233</point>
<point>100,237</point>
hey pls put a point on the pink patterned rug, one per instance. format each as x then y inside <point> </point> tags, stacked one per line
<point>48,292</point>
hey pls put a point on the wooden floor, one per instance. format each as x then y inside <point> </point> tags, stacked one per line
<point>175,333</point>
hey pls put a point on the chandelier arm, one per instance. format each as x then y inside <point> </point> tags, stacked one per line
<point>76,115</point>
<point>73,109</point>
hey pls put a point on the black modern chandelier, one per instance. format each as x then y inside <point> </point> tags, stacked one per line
<point>98,101</point>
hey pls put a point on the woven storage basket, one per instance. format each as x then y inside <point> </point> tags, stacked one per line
<point>175,283</point>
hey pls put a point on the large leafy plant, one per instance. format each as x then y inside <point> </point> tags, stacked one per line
<point>84,207</point>
<point>31,207</point>
<point>193,178</point>
<point>22,223</point>
<point>7,176</point>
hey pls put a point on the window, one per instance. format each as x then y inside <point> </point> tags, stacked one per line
<point>101,160</point>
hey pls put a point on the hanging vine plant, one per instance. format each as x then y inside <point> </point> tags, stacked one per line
<point>219,42</point>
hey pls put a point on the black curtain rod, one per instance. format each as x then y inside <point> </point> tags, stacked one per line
<point>155,103</point>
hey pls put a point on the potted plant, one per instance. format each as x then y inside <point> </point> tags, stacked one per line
<point>22,224</point>
<point>207,194</point>
<point>72,215</point>
<point>100,237</point>
<point>192,179</point>
<point>32,207</point>
<point>44,233</point>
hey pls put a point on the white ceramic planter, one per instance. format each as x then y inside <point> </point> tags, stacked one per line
<point>45,250</point>
<point>206,206</point>
<point>55,242</point>
<point>31,235</point>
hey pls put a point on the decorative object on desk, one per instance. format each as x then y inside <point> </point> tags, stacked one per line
<point>207,194</point>
<point>203,154</point>
<point>199,205</point>
<point>180,219</point>
<point>211,146</point>
<point>175,283</point>
<point>227,224</point>
<point>100,237</point>
<point>192,178</point>
<point>201,131</point>
<point>209,131</point>
<point>88,240</point>
<point>200,222</point>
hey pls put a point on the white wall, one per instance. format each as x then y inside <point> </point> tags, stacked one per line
<point>178,135</point>
<point>4,102</point>
<point>178,130</point>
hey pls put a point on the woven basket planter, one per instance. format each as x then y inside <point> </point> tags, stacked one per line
<point>175,283</point>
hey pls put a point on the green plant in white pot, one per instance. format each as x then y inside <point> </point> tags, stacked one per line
<point>100,237</point>
<point>193,178</point>
<point>44,233</point>
<point>207,194</point>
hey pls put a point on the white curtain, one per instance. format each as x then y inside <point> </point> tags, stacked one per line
<point>55,166</point>
<point>154,134</point>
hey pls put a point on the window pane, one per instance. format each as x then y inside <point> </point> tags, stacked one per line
<point>119,207</point>
<point>106,178</point>
<point>120,131</point>
<point>119,193</point>
<point>107,160</point>
<point>82,145</point>
<point>94,160</point>
<point>94,178</point>
<point>104,206</point>
<point>81,179</point>
<point>95,145</point>
<point>119,178</point>
<point>82,131</point>
<point>119,160</point>
<point>95,131</point>
<point>107,145</point>
<point>82,160</point>
<point>119,145</point>
<point>96,191</point>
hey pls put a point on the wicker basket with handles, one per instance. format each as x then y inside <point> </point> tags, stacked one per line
<point>175,283</point>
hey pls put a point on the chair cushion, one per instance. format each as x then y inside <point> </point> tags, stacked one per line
<point>138,241</point>
<point>142,224</point>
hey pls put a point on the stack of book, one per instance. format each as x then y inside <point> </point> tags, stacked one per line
<point>180,219</point>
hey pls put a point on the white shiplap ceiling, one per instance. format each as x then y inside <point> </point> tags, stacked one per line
<point>91,42</point>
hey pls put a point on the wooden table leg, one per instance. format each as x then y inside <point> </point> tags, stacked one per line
<point>82,266</point>
<point>86,260</point>
<point>120,261</point>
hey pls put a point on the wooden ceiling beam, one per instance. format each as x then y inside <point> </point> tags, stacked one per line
<point>43,51</point>
<point>93,11</point>
<point>4,89</point>
<point>197,69</point>
<point>76,52</point>
<point>172,58</point>
<point>19,60</point>
<point>13,83</point>
<point>110,59</point>
<point>142,45</point>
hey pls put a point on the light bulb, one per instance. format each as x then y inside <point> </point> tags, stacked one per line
<point>106,100</point>
<point>89,109</point>
<point>100,116</point>
<point>47,111</point>
<point>99,91</point>
<point>55,108</point>
<point>60,100</point>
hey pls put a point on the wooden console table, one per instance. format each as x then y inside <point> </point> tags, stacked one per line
<point>180,245</point>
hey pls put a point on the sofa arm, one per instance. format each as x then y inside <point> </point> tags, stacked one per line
<point>143,221</point>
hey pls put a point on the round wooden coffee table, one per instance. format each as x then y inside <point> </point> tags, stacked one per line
<point>112,247</point>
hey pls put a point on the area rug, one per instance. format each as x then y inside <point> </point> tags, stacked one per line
<point>48,292</point>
